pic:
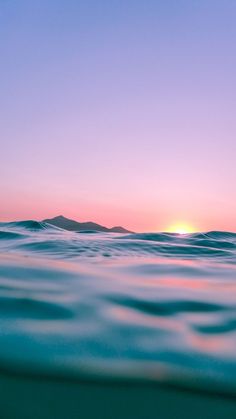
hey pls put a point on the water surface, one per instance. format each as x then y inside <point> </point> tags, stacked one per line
<point>141,309</point>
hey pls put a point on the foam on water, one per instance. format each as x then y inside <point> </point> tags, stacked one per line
<point>139,308</point>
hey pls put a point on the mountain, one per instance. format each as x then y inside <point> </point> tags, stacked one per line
<point>72,225</point>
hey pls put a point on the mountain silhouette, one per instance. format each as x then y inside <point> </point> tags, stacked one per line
<point>72,225</point>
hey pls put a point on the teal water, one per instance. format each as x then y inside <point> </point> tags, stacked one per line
<point>116,326</point>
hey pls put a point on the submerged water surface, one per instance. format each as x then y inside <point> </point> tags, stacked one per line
<point>147,308</point>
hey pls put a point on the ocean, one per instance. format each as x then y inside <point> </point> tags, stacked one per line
<point>115,326</point>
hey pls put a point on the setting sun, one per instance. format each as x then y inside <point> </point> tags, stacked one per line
<point>181,228</point>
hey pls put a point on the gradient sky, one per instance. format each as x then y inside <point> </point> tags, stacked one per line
<point>119,111</point>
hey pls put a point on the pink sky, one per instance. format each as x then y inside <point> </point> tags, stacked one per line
<point>123,114</point>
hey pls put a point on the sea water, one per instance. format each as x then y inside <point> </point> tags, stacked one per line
<point>114,326</point>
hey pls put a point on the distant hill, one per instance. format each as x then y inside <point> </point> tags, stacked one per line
<point>72,225</point>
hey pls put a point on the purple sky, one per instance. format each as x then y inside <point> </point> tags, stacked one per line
<point>120,112</point>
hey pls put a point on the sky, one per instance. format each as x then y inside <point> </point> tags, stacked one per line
<point>119,111</point>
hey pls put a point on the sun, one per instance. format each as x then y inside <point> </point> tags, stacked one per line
<point>181,228</point>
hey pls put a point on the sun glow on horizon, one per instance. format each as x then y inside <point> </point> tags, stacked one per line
<point>181,228</point>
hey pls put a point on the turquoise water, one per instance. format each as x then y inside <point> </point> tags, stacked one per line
<point>116,326</point>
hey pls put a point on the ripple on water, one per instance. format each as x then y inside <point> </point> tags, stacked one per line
<point>124,305</point>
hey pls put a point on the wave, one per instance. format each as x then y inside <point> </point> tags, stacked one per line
<point>29,225</point>
<point>204,244</point>
<point>10,235</point>
<point>219,235</point>
<point>43,239</point>
<point>167,308</point>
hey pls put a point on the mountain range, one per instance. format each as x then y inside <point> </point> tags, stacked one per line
<point>72,225</point>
